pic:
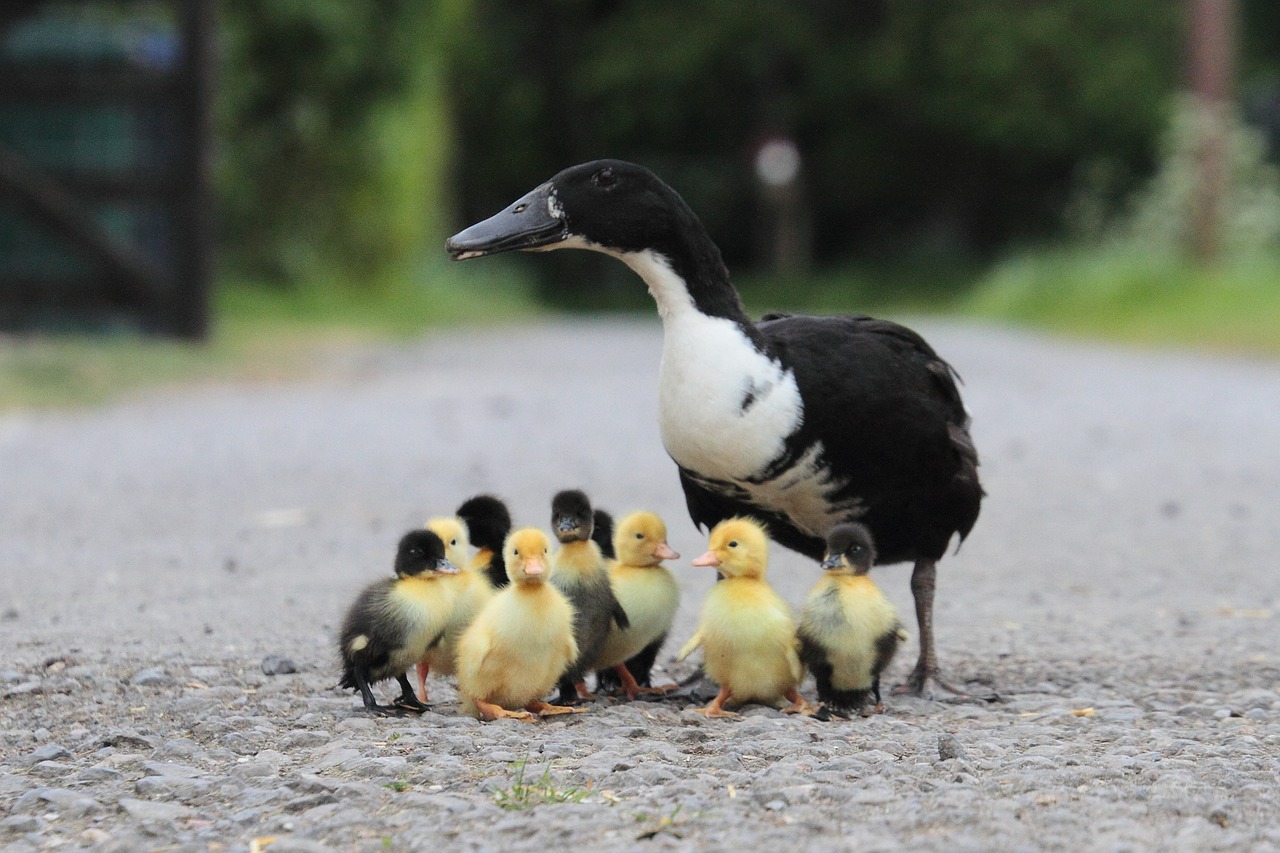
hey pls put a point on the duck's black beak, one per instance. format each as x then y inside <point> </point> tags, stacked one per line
<point>832,561</point>
<point>530,223</point>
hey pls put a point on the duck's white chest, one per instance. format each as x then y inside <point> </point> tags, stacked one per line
<point>725,409</point>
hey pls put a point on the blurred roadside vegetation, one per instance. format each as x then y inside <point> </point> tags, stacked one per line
<point>1022,162</point>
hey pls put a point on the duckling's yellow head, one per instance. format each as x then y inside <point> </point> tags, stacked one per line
<point>739,548</point>
<point>453,532</point>
<point>641,540</point>
<point>527,553</point>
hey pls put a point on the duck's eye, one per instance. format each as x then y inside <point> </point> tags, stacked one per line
<point>639,535</point>
<point>453,541</point>
<point>517,552</point>
<point>604,178</point>
<point>519,208</point>
<point>733,544</point>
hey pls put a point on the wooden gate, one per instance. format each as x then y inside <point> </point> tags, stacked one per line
<point>105,134</point>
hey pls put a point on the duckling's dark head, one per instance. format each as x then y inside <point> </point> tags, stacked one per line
<point>607,205</point>
<point>571,516</point>
<point>488,521</point>
<point>850,546</point>
<point>421,551</point>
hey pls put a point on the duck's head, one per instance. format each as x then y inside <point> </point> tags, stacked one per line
<point>422,553</point>
<point>739,548</point>
<point>571,516</point>
<point>610,206</point>
<point>527,556</point>
<point>453,532</point>
<point>488,521</point>
<point>850,550</point>
<point>641,540</point>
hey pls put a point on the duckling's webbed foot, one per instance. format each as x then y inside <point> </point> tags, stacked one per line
<point>408,700</point>
<point>545,709</point>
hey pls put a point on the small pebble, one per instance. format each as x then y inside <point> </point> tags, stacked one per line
<point>278,665</point>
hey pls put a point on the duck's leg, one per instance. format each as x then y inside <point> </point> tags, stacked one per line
<point>799,705</point>
<point>634,689</point>
<point>544,709</point>
<point>424,669</point>
<point>407,700</point>
<point>489,711</point>
<point>370,703</point>
<point>925,679</point>
<point>716,708</point>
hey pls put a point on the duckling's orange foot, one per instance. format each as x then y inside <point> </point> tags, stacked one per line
<point>545,709</point>
<point>661,690</point>
<point>714,710</point>
<point>798,704</point>
<point>490,712</point>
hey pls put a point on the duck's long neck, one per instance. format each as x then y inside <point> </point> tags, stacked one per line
<point>688,278</point>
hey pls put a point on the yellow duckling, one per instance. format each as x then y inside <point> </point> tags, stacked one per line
<point>393,621</point>
<point>849,630</point>
<point>521,642</point>
<point>472,590</point>
<point>647,592</point>
<point>747,634</point>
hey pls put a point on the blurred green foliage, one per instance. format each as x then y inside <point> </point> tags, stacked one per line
<point>332,135</point>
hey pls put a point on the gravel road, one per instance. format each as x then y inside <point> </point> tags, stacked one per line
<point>1119,595</point>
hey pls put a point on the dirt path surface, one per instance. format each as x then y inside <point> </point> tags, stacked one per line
<point>1119,594</point>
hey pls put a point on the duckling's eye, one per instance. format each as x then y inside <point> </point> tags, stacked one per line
<point>733,544</point>
<point>604,178</point>
<point>517,552</point>
<point>639,535</point>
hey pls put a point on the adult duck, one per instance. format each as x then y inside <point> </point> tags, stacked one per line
<point>801,422</point>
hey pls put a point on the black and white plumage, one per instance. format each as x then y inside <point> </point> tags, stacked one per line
<point>801,422</point>
<point>849,631</point>
<point>394,621</point>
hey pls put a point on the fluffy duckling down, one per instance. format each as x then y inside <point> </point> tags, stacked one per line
<point>849,631</point>
<point>472,592</point>
<point>394,621</point>
<point>520,644</point>
<point>647,592</point>
<point>582,574</point>
<point>488,522</point>
<point>747,633</point>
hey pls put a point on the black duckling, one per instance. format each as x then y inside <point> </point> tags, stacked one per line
<point>489,523</point>
<point>394,621</point>
<point>849,631</point>
<point>582,574</point>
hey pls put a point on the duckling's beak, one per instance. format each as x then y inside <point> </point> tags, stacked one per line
<point>533,568</point>
<point>533,222</point>
<point>664,552</point>
<point>707,559</point>
<point>444,567</point>
<point>566,524</point>
<point>831,562</point>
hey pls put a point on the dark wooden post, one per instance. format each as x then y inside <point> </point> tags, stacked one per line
<point>189,314</point>
<point>1212,60</point>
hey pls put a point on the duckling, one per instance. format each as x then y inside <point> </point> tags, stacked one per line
<point>473,591</point>
<point>394,621</point>
<point>602,533</point>
<point>748,635</point>
<point>521,642</point>
<point>647,592</point>
<point>583,576</point>
<point>848,630</point>
<point>488,523</point>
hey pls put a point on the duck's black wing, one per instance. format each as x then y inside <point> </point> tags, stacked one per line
<point>893,428</point>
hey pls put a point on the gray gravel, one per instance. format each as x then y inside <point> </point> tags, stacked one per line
<point>1118,594</point>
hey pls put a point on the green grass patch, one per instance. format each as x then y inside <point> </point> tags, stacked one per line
<point>541,791</point>
<point>1137,297</point>
<point>260,333</point>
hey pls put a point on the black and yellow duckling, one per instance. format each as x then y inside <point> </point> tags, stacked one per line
<point>849,630</point>
<point>472,591</point>
<point>602,532</point>
<point>394,621</point>
<point>520,643</point>
<point>488,523</point>
<point>647,592</point>
<point>747,633</point>
<point>583,576</point>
